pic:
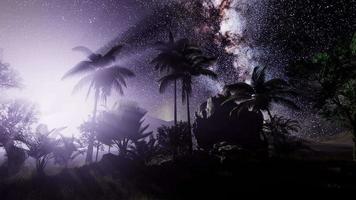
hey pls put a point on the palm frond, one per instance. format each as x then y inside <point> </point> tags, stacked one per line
<point>83,82</point>
<point>277,83</point>
<point>243,105</point>
<point>284,101</point>
<point>204,62</point>
<point>209,73</point>
<point>124,71</point>
<point>90,88</point>
<point>83,49</point>
<point>143,129</point>
<point>239,88</point>
<point>284,93</point>
<point>115,50</point>
<point>285,125</point>
<point>118,87</point>
<point>121,79</point>
<point>80,68</point>
<point>258,75</point>
<point>166,80</point>
<point>230,99</point>
<point>193,50</point>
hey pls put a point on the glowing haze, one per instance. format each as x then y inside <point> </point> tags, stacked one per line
<point>37,37</point>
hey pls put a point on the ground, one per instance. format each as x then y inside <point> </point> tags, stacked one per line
<point>325,167</point>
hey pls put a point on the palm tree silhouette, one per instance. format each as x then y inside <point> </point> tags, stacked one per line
<point>103,77</point>
<point>260,94</point>
<point>170,58</point>
<point>94,61</point>
<point>122,127</point>
<point>193,63</point>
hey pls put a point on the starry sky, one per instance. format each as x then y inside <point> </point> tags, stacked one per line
<point>37,36</point>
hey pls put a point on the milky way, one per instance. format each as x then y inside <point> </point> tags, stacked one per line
<point>240,33</point>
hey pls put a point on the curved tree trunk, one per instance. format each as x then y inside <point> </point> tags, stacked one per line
<point>270,115</point>
<point>89,158</point>
<point>354,149</point>
<point>175,102</point>
<point>354,139</point>
<point>97,153</point>
<point>270,145</point>
<point>189,127</point>
<point>175,117</point>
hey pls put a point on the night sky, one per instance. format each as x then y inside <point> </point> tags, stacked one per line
<point>37,37</point>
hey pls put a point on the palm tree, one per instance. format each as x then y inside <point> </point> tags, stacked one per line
<point>174,140</point>
<point>170,58</point>
<point>41,146</point>
<point>103,77</point>
<point>122,127</point>
<point>68,149</point>
<point>260,94</point>
<point>193,64</point>
<point>279,134</point>
<point>144,150</point>
<point>94,61</point>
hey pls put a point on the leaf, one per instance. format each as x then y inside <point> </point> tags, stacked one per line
<point>83,49</point>
<point>258,76</point>
<point>209,73</point>
<point>80,68</point>
<point>230,99</point>
<point>143,129</point>
<point>285,102</point>
<point>83,82</point>
<point>121,71</point>
<point>240,88</point>
<point>277,83</point>
<point>115,50</point>
<point>166,80</point>
<point>118,87</point>
<point>243,105</point>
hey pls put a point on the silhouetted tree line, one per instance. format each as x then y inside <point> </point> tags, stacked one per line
<point>240,119</point>
<point>240,106</point>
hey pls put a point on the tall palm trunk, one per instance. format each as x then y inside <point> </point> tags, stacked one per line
<point>189,127</point>
<point>354,140</point>
<point>175,102</point>
<point>97,153</point>
<point>270,115</point>
<point>354,149</point>
<point>175,116</point>
<point>270,146</point>
<point>89,158</point>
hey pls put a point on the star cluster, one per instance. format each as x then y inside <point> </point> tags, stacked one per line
<point>240,33</point>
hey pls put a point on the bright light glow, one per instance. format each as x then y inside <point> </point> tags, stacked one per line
<point>53,96</point>
<point>42,52</point>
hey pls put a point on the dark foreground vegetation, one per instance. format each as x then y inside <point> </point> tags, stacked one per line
<point>236,143</point>
<point>199,176</point>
